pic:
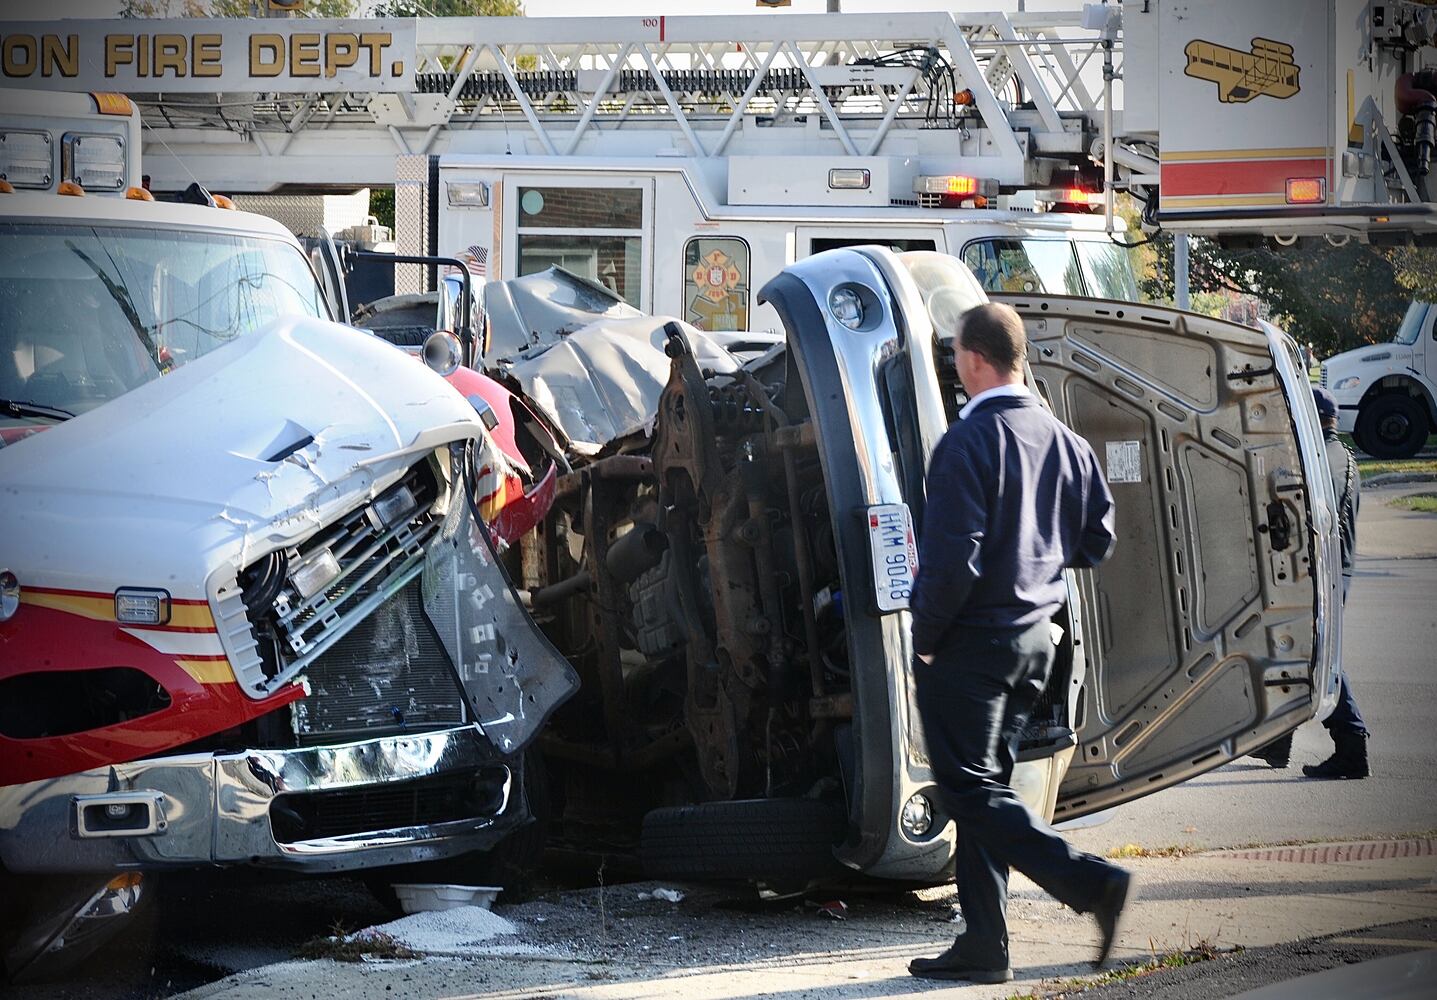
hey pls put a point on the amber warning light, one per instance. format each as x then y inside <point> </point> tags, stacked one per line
<point>955,184</point>
<point>1306,190</point>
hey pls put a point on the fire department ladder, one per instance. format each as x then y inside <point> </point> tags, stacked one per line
<point>1008,89</point>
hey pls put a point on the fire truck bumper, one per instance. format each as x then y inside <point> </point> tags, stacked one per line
<point>384,801</point>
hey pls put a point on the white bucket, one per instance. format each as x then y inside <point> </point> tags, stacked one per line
<point>420,897</point>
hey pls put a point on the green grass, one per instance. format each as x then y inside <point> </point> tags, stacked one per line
<point>1138,851</point>
<point>1369,467</point>
<point>1422,503</point>
<point>1203,951</point>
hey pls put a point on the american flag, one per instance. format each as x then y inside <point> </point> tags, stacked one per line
<point>477,260</point>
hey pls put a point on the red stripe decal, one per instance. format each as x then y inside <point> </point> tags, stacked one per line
<point>661,27</point>
<point>1219,177</point>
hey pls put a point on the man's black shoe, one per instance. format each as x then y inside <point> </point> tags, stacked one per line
<point>1108,912</point>
<point>1349,759</point>
<point>950,965</point>
<point>1277,754</point>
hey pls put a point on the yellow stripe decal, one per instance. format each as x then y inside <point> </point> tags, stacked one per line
<point>1193,155</point>
<point>208,671</point>
<point>1228,201</point>
<point>102,609</point>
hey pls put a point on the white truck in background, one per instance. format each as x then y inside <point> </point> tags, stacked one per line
<point>1387,393</point>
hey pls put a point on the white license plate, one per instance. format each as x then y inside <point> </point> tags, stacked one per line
<point>895,554</point>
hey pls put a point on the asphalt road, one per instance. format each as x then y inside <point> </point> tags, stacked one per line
<point>210,925</point>
<point>1389,651</point>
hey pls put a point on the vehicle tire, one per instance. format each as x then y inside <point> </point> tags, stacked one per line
<point>1360,442</point>
<point>1392,426</point>
<point>783,841</point>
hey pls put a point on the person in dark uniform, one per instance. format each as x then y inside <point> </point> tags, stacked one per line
<point>1013,498</point>
<point>1344,725</point>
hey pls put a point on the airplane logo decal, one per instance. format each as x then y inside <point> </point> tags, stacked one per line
<point>1266,69</point>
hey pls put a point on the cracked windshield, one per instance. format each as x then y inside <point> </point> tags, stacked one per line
<point>88,314</point>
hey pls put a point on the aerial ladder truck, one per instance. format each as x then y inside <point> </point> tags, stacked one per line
<point>683,160</point>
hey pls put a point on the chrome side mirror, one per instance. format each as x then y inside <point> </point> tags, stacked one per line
<point>451,293</point>
<point>442,352</point>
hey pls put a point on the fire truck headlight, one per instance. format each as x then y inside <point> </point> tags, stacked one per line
<point>9,594</point>
<point>142,606</point>
<point>846,306</point>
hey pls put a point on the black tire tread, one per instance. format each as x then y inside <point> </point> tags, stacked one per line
<point>752,840</point>
<point>1373,411</point>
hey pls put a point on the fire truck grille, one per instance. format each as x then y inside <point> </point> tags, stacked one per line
<point>471,795</point>
<point>389,673</point>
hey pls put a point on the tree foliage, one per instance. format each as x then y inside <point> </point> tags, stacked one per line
<point>450,8</point>
<point>1335,298</point>
<point>228,8</point>
<point>1417,272</point>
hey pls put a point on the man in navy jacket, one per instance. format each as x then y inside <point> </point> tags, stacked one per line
<point>1013,498</point>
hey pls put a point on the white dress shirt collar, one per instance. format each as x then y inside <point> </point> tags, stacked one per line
<point>1011,389</point>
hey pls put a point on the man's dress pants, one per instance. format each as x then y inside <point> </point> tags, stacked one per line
<point>1345,718</point>
<point>975,698</point>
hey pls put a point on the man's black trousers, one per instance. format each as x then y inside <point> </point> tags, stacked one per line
<point>974,699</point>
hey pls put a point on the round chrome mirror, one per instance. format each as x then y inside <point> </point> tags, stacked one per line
<point>442,352</point>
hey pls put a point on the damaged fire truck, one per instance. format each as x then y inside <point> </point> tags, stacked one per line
<point>251,608</point>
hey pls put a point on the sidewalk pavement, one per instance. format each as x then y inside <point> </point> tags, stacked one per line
<point>1226,899</point>
<point>1386,532</point>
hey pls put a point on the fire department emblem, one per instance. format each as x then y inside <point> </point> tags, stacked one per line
<point>1266,69</point>
<point>716,276</point>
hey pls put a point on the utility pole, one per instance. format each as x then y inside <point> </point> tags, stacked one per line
<point>1181,298</point>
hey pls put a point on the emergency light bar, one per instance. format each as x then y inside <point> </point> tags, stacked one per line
<point>26,160</point>
<point>956,184</point>
<point>95,162</point>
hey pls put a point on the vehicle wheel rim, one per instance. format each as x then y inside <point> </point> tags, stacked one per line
<point>1394,429</point>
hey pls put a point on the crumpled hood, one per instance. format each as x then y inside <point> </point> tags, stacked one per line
<point>250,448</point>
<point>603,381</point>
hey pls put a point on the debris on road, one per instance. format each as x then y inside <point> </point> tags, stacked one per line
<point>833,909</point>
<point>667,895</point>
<point>464,930</point>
